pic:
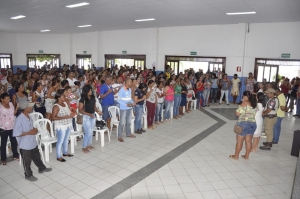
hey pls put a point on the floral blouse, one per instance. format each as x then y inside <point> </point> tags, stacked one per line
<point>7,117</point>
<point>247,114</point>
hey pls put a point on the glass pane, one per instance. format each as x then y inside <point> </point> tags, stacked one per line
<point>273,74</point>
<point>267,73</point>
<point>260,73</point>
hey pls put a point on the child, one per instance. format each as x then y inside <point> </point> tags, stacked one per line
<point>71,97</point>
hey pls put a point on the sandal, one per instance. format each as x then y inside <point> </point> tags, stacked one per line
<point>233,157</point>
<point>85,150</point>
<point>60,159</point>
<point>3,163</point>
<point>131,136</point>
<point>68,155</point>
<point>120,139</point>
<point>91,147</point>
<point>17,159</point>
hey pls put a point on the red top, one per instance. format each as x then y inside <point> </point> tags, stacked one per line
<point>284,88</point>
<point>201,87</point>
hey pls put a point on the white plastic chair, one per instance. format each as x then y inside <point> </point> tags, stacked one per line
<point>145,117</point>
<point>74,135</point>
<point>113,111</point>
<point>35,116</point>
<point>101,131</point>
<point>47,138</point>
<point>30,99</point>
<point>194,102</point>
<point>7,144</point>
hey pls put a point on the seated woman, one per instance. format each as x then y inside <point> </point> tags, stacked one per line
<point>246,113</point>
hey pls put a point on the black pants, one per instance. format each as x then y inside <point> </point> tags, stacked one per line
<point>13,141</point>
<point>31,155</point>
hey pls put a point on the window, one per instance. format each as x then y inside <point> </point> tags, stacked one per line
<point>40,60</point>
<point>84,61</point>
<point>5,60</point>
<point>128,60</point>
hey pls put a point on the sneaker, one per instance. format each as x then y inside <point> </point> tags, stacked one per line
<point>267,143</point>
<point>138,132</point>
<point>267,147</point>
<point>228,104</point>
<point>31,178</point>
<point>46,170</point>
<point>143,131</point>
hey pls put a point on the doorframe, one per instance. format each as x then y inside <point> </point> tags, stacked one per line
<point>11,60</point>
<point>125,56</point>
<point>59,57</point>
<point>209,57</point>
<point>266,59</point>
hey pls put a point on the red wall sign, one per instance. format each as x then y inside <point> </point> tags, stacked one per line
<point>238,69</point>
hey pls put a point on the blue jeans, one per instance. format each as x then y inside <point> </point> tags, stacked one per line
<point>177,100</point>
<point>88,125</point>
<point>277,129</point>
<point>298,107</point>
<point>158,113</point>
<point>167,109</point>
<point>248,128</point>
<point>200,96</point>
<point>125,118</point>
<point>213,95</point>
<point>206,97</point>
<point>62,141</point>
<point>138,116</point>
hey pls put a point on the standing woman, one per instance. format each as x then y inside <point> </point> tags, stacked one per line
<point>207,84</point>
<point>49,102</point>
<point>19,96</point>
<point>87,107</point>
<point>199,93</point>
<point>214,88</point>
<point>169,98</point>
<point>151,101</point>
<point>183,97</point>
<point>139,99</point>
<point>259,120</point>
<point>246,113</point>
<point>62,117</point>
<point>189,87</point>
<point>250,82</point>
<point>177,97</point>
<point>224,83</point>
<point>160,102</point>
<point>7,122</point>
<point>44,82</point>
<point>38,97</point>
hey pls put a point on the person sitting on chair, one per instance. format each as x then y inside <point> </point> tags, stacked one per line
<point>26,137</point>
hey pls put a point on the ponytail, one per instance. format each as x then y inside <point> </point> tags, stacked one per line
<point>252,100</point>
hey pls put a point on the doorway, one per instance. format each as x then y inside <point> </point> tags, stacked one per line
<point>5,61</point>
<point>207,64</point>
<point>40,60</point>
<point>84,61</point>
<point>137,61</point>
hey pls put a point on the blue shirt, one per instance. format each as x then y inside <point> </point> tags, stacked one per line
<point>109,99</point>
<point>124,97</point>
<point>24,124</point>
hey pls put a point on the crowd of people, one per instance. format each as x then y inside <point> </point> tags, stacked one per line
<point>60,95</point>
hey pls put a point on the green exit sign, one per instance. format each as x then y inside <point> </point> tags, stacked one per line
<point>124,52</point>
<point>193,53</point>
<point>285,55</point>
<point>84,52</point>
<point>41,51</point>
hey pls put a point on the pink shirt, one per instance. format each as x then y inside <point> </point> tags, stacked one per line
<point>168,96</point>
<point>7,117</point>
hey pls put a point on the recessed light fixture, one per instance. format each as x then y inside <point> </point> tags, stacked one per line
<point>18,17</point>
<point>45,30</point>
<point>83,26</point>
<point>139,20</point>
<point>77,5</point>
<point>241,13</point>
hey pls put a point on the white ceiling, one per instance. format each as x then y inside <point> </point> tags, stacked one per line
<point>120,14</point>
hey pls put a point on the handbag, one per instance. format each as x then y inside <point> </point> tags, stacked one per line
<point>100,124</point>
<point>237,129</point>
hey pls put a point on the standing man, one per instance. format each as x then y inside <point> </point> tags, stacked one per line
<point>236,85</point>
<point>280,115</point>
<point>126,103</point>
<point>117,86</point>
<point>270,115</point>
<point>107,99</point>
<point>26,137</point>
<point>224,83</point>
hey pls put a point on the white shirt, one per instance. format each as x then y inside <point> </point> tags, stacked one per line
<point>160,99</point>
<point>116,86</point>
<point>71,82</point>
<point>151,96</point>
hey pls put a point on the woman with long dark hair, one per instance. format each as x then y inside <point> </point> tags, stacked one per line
<point>7,121</point>
<point>62,117</point>
<point>151,101</point>
<point>259,120</point>
<point>214,88</point>
<point>246,113</point>
<point>38,97</point>
<point>87,107</point>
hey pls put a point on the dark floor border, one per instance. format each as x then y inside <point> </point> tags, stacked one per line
<point>136,177</point>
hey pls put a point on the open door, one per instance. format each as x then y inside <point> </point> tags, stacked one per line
<point>174,66</point>
<point>84,61</point>
<point>268,72</point>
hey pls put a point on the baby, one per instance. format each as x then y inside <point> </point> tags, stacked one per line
<point>71,97</point>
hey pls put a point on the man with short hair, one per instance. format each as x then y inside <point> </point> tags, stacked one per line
<point>270,115</point>
<point>26,137</point>
<point>280,115</point>
<point>107,99</point>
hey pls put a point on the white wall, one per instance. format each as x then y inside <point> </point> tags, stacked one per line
<point>267,40</point>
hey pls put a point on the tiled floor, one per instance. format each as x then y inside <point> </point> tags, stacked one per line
<point>203,171</point>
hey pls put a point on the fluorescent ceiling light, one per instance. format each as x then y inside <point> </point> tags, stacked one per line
<point>18,17</point>
<point>241,13</point>
<point>139,20</point>
<point>83,26</point>
<point>45,30</point>
<point>77,5</point>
